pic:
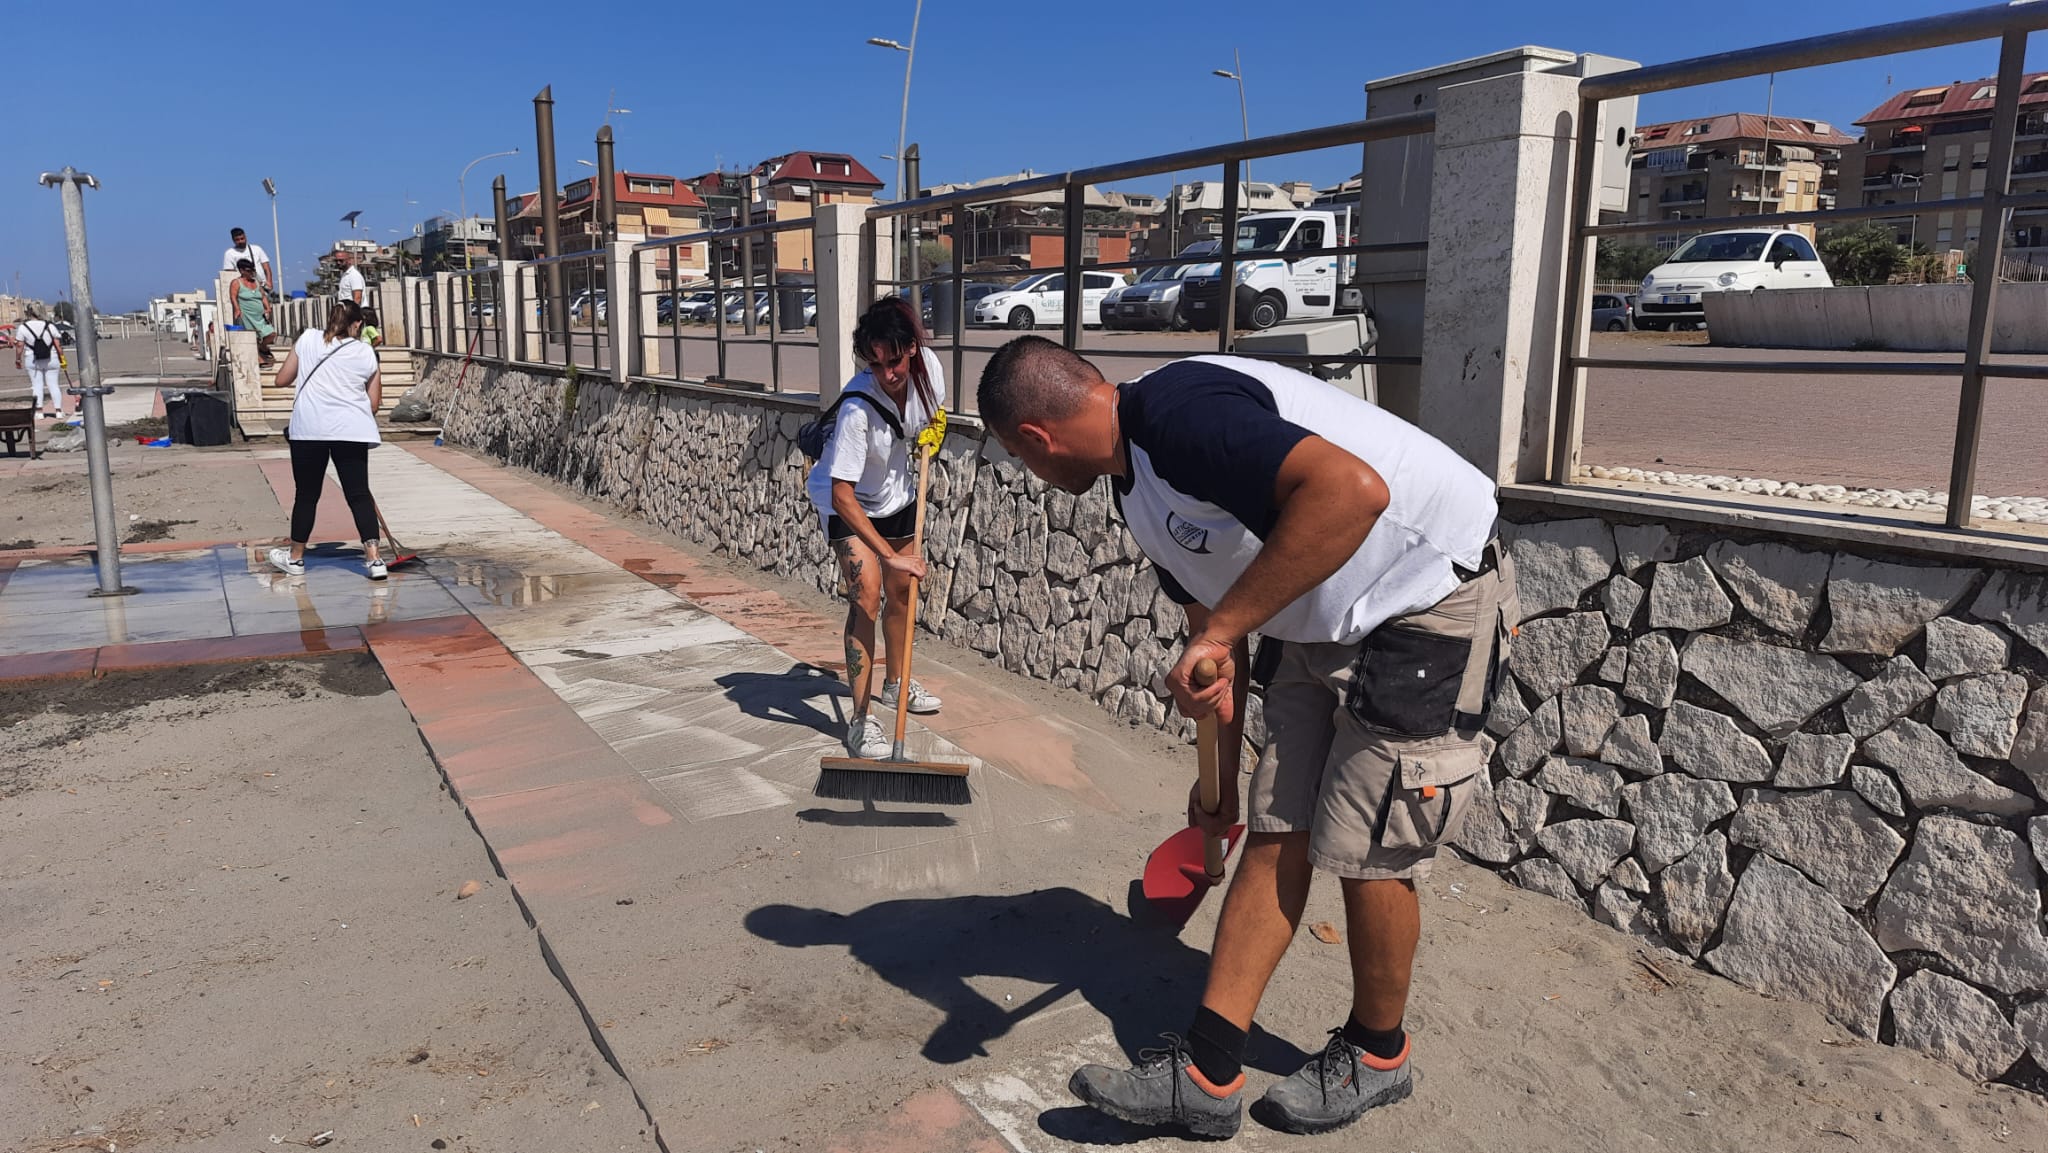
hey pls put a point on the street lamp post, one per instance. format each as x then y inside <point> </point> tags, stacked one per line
<point>462,191</point>
<point>276,245</point>
<point>1242,115</point>
<point>903,121</point>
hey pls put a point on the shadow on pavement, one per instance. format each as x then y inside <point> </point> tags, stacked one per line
<point>870,817</point>
<point>1143,980</point>
<point>786,697</point>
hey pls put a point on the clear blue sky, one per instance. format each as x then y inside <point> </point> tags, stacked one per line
<point>378,106</point>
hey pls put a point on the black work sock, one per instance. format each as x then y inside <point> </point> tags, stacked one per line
<point>1216,1046</point>
<point>1382,1043</point>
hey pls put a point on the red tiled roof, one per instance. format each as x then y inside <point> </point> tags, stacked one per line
<point>1953,99</point>
<point>804,166</point>
<point>683,195</point>
<point>1739,126</point>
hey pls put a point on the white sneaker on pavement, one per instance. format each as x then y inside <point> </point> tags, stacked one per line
<point>376,569</point>
<point>281,560</point>
<point>921,702</point>
<point>865,739</point>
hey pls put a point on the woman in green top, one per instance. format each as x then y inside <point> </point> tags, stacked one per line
<point>253,304</point>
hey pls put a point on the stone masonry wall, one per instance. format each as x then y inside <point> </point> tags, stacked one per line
<point>1820,773</point>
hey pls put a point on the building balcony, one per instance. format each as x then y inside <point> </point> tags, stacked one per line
<point>1751,196</point>
<point>1898,149</point>
<point>1683,196</point>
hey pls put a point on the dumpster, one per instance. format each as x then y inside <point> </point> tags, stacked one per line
<point>789,302</point>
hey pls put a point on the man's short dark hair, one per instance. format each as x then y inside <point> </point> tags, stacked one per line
<point>1031,379</point>
<point>234,232</point>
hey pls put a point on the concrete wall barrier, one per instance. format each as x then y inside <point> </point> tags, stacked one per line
<point>1904,317</point>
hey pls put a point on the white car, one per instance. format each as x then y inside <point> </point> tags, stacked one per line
<point>1042,300</point>
<point>1739,260</point>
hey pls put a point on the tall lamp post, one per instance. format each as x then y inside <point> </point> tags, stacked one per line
<point>1238,76</point>
<point>903,122</point>
<point>462,192</point>
<point>276,245</point>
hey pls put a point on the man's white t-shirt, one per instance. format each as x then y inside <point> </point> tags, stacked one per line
<point>26,334</point>
<point>253,253</point>
<point>864,451</point>
<point>333,390</point>
<point>351,283</point>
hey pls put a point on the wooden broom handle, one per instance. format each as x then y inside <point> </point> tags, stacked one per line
<point>924,465</point>
<point>1209,777</point>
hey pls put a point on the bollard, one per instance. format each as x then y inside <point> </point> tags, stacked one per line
<point>90,393</point>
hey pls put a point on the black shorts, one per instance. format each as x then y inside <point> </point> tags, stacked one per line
<point>898,525</point>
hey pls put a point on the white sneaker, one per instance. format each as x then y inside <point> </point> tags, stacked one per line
<point>864,739</point>
<point>921,702</point>
<point>376,569</point>
<point>281,560</point>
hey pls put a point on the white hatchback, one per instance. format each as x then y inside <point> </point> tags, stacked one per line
<point>1042,300</point>
<point>1739,260</point>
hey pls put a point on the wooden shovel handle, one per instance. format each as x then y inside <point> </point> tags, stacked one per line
<point>924,464</point>
<point>1209,777</point>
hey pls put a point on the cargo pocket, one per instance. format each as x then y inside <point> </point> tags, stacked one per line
<point>1427,799</point>
<point>1406,681</point>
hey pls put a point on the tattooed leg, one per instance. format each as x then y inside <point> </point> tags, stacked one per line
<point>863,591</point>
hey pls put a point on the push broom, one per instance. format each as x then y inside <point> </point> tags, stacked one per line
<point>898,776</point>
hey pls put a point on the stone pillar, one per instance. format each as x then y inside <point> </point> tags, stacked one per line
<point>622,324</point>
<point>647,311</point>
<point>835,253</point>
<point>444,311</point>
<point>246,373</point>
<point>1500,183</point>
<point>530,335</point>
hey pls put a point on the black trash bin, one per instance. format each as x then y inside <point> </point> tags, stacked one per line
<point>178,415</point>
<point>789,302</point>
<point>209,416</point>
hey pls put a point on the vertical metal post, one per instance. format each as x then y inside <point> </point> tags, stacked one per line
<point>1076,204</point>
<point>607,195</point>
<point>90,393</point>
<point>718,303</point>
<point>1226,291</point>
<point>962,221</point>
<point>1569,405</point>
<point>550,222</point>
<point>502,219</point>
<point>913,260</point>
<point>2005,115</point>
<point>675,306</point>
<point>747,279</point>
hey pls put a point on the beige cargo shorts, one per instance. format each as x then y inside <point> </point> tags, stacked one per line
<point>1373,749</point>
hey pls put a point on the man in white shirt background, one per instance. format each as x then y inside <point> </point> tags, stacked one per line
<point>352,286</point>
<point>243,250</point>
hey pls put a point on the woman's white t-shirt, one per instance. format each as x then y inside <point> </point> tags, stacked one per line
<point>333,400</point>
<point>864,451</point>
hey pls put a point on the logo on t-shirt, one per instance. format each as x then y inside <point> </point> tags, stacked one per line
<point>1187,535</point>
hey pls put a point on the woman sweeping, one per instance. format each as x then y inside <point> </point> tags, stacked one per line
<point>334,418</point>
<point>864,488</point>
<point>253,305</point>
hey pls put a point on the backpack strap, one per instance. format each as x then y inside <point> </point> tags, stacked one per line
<point>888,418</point>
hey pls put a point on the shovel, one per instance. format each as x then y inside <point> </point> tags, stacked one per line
<point>1185,866</point>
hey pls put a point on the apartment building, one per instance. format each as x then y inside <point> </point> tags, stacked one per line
<point>1734,164</point>
<point>1029,230</point>
<point>648,205</point>
<point>1934,144</point>
<point>790,187</point>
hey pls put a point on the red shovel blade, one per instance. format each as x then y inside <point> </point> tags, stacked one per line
<point>1176,870</point>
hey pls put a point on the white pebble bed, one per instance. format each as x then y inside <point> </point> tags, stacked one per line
<point>2023,509</point>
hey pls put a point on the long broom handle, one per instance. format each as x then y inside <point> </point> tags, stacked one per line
<point>1209,777</point>
<point>924,464</point>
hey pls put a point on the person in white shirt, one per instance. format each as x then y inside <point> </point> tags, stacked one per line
<point>351,288</point>
<point>39,348</point>
<point>334,418</point>
<point>1271,502</point>
<point>865,490</point>
<point>242,250</point>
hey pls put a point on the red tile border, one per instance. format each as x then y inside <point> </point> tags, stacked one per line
<point>70,664</point>
<point>229,650</point>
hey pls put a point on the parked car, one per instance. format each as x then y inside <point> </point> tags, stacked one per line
<point>735,311</point>
<point>1738,260</point>
<point>701,305</point>
<point>1042,299</point>
<point>1612,313</point>
<point>580,309</point>
<point>1154,301</point>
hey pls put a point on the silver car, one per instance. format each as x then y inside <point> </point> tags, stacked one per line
<point>1154,301</point>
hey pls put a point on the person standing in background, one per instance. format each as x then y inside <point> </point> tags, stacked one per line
<point>38,347</point>
<point>253,253</point>
<point>352,288</point>
<point>252,306</point>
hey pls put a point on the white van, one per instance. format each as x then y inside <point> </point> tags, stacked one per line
<point>1283,270</point>
<point>1738,260</point>
<point>1041,300</point>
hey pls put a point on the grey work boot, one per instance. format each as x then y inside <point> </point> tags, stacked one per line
<point>1163,1088</point>
<point>1336,1087</point>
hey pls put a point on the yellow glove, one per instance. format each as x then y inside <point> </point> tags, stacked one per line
<point>933,434</point>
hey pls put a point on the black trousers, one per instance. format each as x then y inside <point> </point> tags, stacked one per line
<point>309,473</point>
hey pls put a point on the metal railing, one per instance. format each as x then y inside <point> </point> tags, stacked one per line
<point>2010,25</point>
<point>476,316</point>
<point>424,314</point>
<point>746,299</point>
<point>569,316</point>
<point>1073,186</point>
